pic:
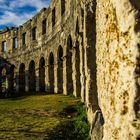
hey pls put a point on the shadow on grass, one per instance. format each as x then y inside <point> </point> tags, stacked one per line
<point>27,95</point>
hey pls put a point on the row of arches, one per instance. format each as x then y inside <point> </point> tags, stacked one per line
<point>27,80</point>
<point>42,71</point>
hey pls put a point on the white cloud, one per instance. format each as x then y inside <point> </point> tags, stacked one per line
<point>10,10</point>
<point>2,1</point>
<point>10,17</point>
<point>38,4</point>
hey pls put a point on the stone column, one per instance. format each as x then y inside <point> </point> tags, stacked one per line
<point>26,81</point>
<point>76,71</point>
<point>46,79</point>
<point>55,78</point>
<point>64,76</point>
<point>82,71</point>
<point>37,79</point>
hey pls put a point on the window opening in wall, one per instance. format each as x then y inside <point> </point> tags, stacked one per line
<point>82,17</point>
<point>77,27</point>
<point>44,27</point>
<point>62,7</point>
<point>15,43</point>
<point>34,33</point>
<point>53,17</point>
<point>51,59</point>
<point>24,38</point>
<point>4,46</point>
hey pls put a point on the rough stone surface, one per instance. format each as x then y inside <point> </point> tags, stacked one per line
<point>97,126</point>
<point>117,52</point>
<point>91,50</point>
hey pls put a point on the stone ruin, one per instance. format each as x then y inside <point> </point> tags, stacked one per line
<point>88,48</point>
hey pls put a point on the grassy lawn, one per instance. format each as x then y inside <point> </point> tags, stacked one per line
<point>35,117</point>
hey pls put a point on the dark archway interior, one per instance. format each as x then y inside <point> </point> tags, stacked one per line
<point>69,66</point>
<point>51,72</point>
<point>42,75</point>
<point>22,78</point>
<point>11,79</point>
<point>3,74</point>
<point>32,77</point>
<point>60,70</point>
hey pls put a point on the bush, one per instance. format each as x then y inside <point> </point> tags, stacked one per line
<point>76,128</point>
<point>81,123</point>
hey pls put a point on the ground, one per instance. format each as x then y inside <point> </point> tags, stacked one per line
<point>35,117</point>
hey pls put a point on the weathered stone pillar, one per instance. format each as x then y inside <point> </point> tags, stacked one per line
<point>76,70</point>
<point>46,79</point>
<point>55,78</point>
<point>82,71</point>
<point>37,79</point>
<point>74,73</point>
<point>64,76</point>
<point>26,81</point>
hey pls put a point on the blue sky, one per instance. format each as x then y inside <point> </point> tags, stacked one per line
<point>16,12</point>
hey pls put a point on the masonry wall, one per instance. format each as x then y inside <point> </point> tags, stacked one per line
<point>117,58</point>
<point>66,26</point>
<point>99,61</point>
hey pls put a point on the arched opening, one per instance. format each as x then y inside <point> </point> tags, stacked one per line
<point>42,75</point>
<point>4,82</point>
<point>77,64</point>
<point>32,79</point>
<point>11,79</point>
<point>22,78</point>
<point>51,72</point>
<point>60,70</point>
<point>69,66</point>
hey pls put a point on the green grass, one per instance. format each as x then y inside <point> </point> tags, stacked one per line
<point>39,117</point>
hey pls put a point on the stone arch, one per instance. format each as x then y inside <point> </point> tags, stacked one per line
<point>22,77</point>
<point>77,68</point>
<point>32,77</point>
<point>42,74</point>
<point>69,66</point>
<point>11,79</point>
<point>60,69</point>
<point>51,72</point>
